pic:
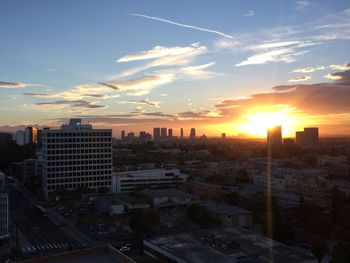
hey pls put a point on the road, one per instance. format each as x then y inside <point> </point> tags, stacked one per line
<point>39,234</point>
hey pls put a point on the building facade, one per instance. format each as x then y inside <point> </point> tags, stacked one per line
<point>274,135</point>
<point>130,181</point>
<point>4,210</point>
<point>76,156</point>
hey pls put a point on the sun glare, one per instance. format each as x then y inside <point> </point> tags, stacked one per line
<point>256,124</point>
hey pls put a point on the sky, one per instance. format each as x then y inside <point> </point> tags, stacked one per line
<point>237,67</point>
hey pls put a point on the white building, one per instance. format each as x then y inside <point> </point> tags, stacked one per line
<point>4,209</point>
<point>76,156</point>
<point>130,181</point>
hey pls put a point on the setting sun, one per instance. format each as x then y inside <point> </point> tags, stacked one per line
<point>256,124</point>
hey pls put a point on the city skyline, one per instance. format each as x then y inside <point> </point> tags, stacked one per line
<point>155,66</point>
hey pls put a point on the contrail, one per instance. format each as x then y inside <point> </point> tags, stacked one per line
<point>184,25</point>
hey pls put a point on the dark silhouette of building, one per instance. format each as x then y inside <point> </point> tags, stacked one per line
<point>170,133</point>
<point>274,135</point>
<point>122,135</point>
<point>193,134</point>
<point>181,133</point>
<point>163,133</point>
<point>156,134</point>
<point>309,137</point>
<point>223,135</point>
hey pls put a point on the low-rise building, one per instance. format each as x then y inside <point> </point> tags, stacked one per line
<point>229,215</point>
<point>169,197</point>
<point>130,181</point>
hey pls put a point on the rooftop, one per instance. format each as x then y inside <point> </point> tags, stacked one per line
<point>223,208</point>
<point>226,245</point>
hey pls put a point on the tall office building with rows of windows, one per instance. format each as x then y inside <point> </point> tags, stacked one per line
<point>76,156</point>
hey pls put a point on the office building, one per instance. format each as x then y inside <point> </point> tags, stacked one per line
<point>181,133</point>
<point>122,136</point>
<point>20,137</point>
<point>274,135</point>
<point>4,210</point>
<point>163,133</point>
<point>156,134</point>
<point>170,133</point>
<point>31,135</point>
<point>130,181</point>
<point>76,156</point>
<point>193,134</point>
<point>311,136</point>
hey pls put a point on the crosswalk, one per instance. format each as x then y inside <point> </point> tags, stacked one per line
<point>53,246</point>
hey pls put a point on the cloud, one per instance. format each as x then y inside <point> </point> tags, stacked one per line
<point>184,25</point>
<point>163,56</point>
<point>225,44</point>
<point>308,69</point>
<point>142,85</point>
<point>250,13</point>
<point>101,91</point>
<point>143,101</point>
<point>17,85</point>
<point>50,69</point>
<point>286,55</point>
<point>340,66</point>
<point>319,98</point>
<point>299,79</point>
<point>332,76</point>
<point>274,45</point>
<point>74,104</point>
<point>301,4</point>
<point>199,71</point>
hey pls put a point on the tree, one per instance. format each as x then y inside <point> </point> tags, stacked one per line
<point>319,247</point>
<point>143,221</point>
<point>310,160</point>
<point>341,253</point>
<point>201,216</point>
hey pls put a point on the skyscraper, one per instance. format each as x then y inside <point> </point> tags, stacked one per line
<point>4,209</point>
<point>193,134</point>
<point>274,135</point>
<point>76,156</point>
<point>156,134</point>
<point>311,136</point>
<point>31,135</point>
<point>170,133</point>
<point>123,135</point>
<point>163,133</point>
<point>20,137</point>
<point>300,138</point>
<point>181,133</point>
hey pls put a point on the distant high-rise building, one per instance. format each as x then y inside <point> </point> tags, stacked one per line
<point>181,133</point>
<point>76,156</point>
<point>131,136</point>
<point>193,133</point>
<point>300,138</point>
<point>4,209</point>
<point>31,135</point>
<point>274,135</point>
<point>143,136</point>
<point>122,136</point>
<point>156,134</point>
<point>311,136</point>
<point>20,137</point>
<point>223,135</point>
<point>163,133</point>
<point>170,133</point>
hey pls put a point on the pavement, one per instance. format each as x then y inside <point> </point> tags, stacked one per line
<point>37,233</point>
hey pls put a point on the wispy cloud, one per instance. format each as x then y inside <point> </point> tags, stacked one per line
<point>308,69</point>
<point>332,76</point>
<point>250,13</point>
<point>142,85</point>
<point>301,4</point>
<point>143,101</point>
<point>163,56</point>
<point>340,66</point>
<point>199,71</point>
<point>299,79</point>
<point>17,85</point>
<point>286,55</point>
<point>225,44</point>
<point>74,104</point>
<point>184,25</point>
